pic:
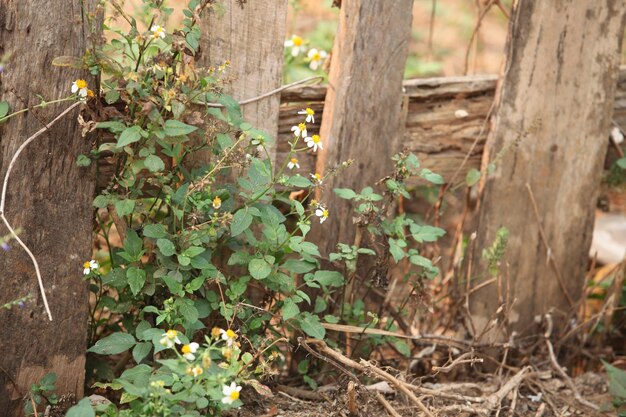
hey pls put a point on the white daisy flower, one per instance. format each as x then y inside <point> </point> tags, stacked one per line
<point>90,266</point>
<point>170,338</point>
<point>296,43</point>
<point>80,87</point>
<point>293,163</point>
<point>231,393</point>
<point>300,129</point>
<point>309,114</point>
<point>157,32</point>
<point>322,213</point>
<point>313,142</point>
<point>189,350</point>
<point>317,178</point>
<point>316,58</point>
<point>228,336</point>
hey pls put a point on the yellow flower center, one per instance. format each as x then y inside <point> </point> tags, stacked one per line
<point>316,138</point>
<point>186,349</point>
<point>318,176</point>
<point>217,202</point>
<point>309,111</point>
<point>171,334</point>
<point>197,371</point>
<point>87,265</point>
<point>234,395</point>
<point>302,126</point>
<point>294,161</point>
<point>230,334</point>
<point>297,40</point>
<point>81,84</point>
<point>216,331</point>
<point>325,213</point>
<point>316,57</point>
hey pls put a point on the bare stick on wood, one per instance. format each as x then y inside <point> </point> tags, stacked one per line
<point>5,186</point>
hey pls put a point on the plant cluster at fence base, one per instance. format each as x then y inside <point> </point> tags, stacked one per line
<point>205,272</point>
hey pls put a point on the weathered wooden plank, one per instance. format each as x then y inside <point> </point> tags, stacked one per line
<point>251,36</point>
<point>49,198</point>
<point>550,139</point>
<point>363,115</point>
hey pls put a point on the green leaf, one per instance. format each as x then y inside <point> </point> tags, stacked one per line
<point>311,325</point>
<point>329,278</point>
<point>133,244</point>
<point>241,221</point>
<point>426,233</point>
<point>101,201</point>
<point>112,126</point>
<point>346,193</point>
<point>113,344</point>
<point>193,251</point>
<point>83,161</point>
<point>299,181</point>
<point>124,207</point>
<point>111,96</point>
<point>621,163</point>
<point>82,409</point>
<point>396,249</point>
<point>155,231</point>
<point>403,348</point>
<point>166,247</point>
<point>128,136</point>
<point>136,279</point>
<point>473,176</point>
<point>617,382</point>
<point>141,350</point>
<point>430,176</point>
<point>4,109</point>
<point>154,163</point>
<point>259,268</point>
<point>178,128</point>
<point>298,266</point>
<point>290,309</point>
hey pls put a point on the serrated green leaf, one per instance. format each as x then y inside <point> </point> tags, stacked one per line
<point>311,325</point>
<point>346,193</point>
<point>136,279</point>
<point>82,409</point>
<point>329,278</point>
<point>154,163</point>
<point>259,268</point>
<point>124,207</point>
<point>4,109</point>
<point>141,350</point>
<point>129,135</point>
<point>290,309</point>
<point>154,231</point>
<point>298,266</point>
<point>430,176</point>
<point>241,221</point>
<point>113,344</point>
<point>166,247</point>
<point>177,128</point>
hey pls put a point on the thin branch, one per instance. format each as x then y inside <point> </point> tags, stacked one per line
<point>262,96</point>
<point>5,186</point>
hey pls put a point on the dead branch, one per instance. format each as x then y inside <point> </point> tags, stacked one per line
<point>300,393</point>
<point>381,399</point>
<point>496,398</point>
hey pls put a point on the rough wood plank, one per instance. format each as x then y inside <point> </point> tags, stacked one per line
<point>49,197</point>
<point>251,36</point>
<point>363,116</point>
<point>554,114</point>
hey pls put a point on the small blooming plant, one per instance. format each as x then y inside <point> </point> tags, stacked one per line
<point>206,265</point>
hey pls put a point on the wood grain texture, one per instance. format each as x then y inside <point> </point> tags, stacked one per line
<point>251,36</point>
<point>49,198</point>
<point>551,126</point>
<point>363,116</point>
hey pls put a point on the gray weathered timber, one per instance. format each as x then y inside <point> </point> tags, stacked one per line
<point>250,35</point>
<point>49,198</point>
<point>550,132</point>
<point>363,114</point>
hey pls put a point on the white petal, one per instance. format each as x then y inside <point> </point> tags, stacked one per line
<point>86,271</point>
<point>193,346</point>
<point>74,88</point>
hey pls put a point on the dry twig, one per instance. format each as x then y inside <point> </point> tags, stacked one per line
<point>5,186</point>
<point>381,399</point>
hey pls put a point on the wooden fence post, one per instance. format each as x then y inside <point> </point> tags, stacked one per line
<point>49,199</point>
<point>251,36</point>
<point>363,116</point>
<point>548,143</point>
